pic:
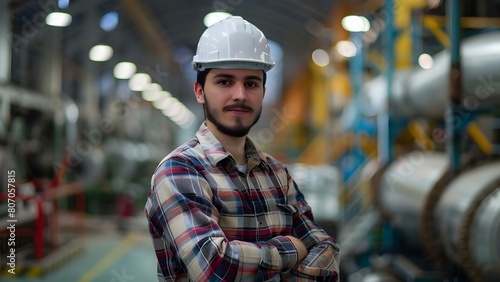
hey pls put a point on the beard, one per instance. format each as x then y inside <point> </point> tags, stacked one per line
<point>238,130</point>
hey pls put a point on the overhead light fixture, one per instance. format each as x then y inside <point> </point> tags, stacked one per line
<point>175,109</point>
<point>124,70</point>
<point>72,113</point>
<point>63,4</point>
<point>346,48</point>
<point>182,117</point>
<point>109,21</point>
<point>165,102</point>
<point>101,53</point>
<point>320,57</point>
<point>214,17</point>
<point>178,114</point>
<point>356,24</point>
<point>433,4</point>
<point>139,81</point>
<point>155,96</point>
<point>425,61</point>
<point>58,19</point>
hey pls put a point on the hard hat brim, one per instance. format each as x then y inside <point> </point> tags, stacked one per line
<point>233,64</point>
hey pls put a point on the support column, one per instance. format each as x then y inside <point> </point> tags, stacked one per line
<point>51,82</point>
<point>5,62</point>
<point>385,124</point>
<point>90,84</point>
<point>5,43</point>
<point>51,72</point>
<point>454,126</point>
<point>356,65</point>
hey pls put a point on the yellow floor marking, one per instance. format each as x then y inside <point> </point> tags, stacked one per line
<point>127,243</point>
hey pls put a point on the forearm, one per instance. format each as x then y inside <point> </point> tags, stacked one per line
<point>204,251</point>
<point>322,261</point>
<point>214,256</point>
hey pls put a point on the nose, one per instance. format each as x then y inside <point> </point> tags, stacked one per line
<point>239,93</point>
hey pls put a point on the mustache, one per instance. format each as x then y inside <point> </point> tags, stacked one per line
<point>237,106</point>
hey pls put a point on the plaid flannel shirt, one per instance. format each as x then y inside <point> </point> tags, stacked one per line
<point>210,222</point>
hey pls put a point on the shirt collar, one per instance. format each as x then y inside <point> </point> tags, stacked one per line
<point>215,152</point>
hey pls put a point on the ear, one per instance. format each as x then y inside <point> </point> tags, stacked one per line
<point>199,93</point>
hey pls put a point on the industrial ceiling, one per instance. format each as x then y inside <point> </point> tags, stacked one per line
<point>161,36</point>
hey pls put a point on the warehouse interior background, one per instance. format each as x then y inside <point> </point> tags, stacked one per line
<point>386,112</point>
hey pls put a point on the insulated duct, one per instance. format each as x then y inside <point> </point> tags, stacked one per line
<point>467,218</point>
<point>425,93</point>
<point>404,188</point>
<point>457,217</point>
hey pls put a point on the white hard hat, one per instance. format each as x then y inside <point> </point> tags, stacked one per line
<point>233,43</point>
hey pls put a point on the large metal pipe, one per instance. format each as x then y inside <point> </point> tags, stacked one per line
<point>424,93</point>
<point>465,213</point>
<point>468,221</point>
<point>484,240</point>
<point>404,188</point>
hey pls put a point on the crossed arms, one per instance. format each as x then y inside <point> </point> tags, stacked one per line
<point>196,236</point>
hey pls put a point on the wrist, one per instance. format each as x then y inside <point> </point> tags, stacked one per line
<point>299,246</point>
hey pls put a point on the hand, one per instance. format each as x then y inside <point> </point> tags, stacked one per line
<point>301,248</point>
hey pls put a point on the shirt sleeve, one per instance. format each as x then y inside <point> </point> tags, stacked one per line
<point>180,211</point>
<point>322,262</point>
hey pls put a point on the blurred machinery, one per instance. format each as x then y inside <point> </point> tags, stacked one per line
<point>453,218</point>
<point>320,185</point>
<point>47,208</point>
<point>423,93</point>
<point>418,217</point>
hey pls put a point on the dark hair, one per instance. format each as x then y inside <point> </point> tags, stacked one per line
<point>201,77</point>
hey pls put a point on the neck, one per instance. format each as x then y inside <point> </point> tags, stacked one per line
<point>234,145</point>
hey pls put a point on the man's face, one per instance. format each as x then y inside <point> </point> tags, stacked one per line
<point>233,100</point>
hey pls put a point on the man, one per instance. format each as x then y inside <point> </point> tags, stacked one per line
<point>220,209</point>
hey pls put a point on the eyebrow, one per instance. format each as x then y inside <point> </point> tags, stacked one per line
<point>226,75</point>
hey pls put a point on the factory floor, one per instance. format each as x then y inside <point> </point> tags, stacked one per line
<point>106,255</point>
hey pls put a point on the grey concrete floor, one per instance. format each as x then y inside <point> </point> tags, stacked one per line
<point>107,255</point>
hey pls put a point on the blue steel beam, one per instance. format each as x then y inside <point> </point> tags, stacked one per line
<point>454,127</point>
<point>385,124</point>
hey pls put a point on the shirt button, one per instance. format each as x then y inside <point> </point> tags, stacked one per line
<point>260,222</point>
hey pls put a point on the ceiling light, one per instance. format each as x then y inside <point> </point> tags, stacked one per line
<point>175,110</point>
<point>58,19</point>
<point>425,61</point>
<point>72,113</point>
<point>433,4</point>
<point>154,96</point>
<point>139,81</point>
<point>63,4</point>
<point>178,115</point>
<point>124,70</point>
<point>320,57</point>
<point>153,87</point>
<point>152,92</point>
<point>214,17</point>
<point>101,53</point>
<point>165,103</point>
<point>355,24</point>
<point>346,48</point>
<point>186,121</point>
<point>109,21</point>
